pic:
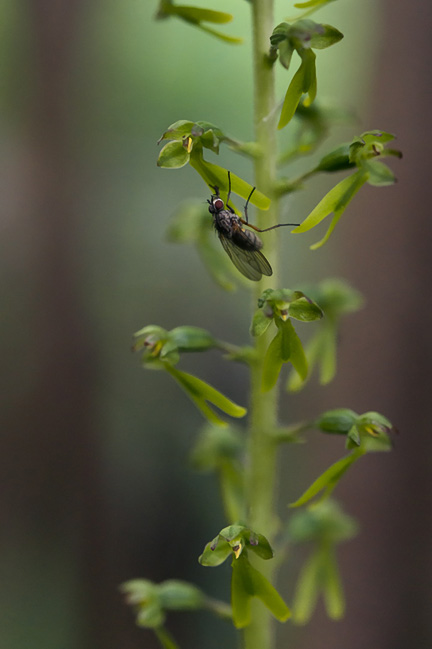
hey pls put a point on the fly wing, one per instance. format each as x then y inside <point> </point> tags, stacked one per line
<point>251,263</point>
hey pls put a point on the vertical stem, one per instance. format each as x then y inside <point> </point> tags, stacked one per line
<point>263,406</point>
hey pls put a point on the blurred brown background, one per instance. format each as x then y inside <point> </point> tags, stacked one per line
<point>95,487</point>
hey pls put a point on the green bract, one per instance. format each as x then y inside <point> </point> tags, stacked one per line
<point>196,16</point>
<point>362,153</point>
<point>337,299</point>
<point>365,433</point>
<point>162,349</point>
<point>151,601</point>
<point>301,36</point>
<point>325,525</point>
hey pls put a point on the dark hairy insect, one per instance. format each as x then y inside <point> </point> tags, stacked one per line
<point>242,246</point>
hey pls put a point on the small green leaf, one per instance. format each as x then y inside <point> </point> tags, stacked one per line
<point>328,480</point>
<point>173,156</point>
<point>200,392</point>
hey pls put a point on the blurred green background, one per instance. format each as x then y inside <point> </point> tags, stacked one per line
<point>95,487</point>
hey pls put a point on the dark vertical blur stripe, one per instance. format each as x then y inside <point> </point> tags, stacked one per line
<point>387,360</point>
<point>54,494</point>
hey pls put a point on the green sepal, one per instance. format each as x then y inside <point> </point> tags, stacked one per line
<point>191,339</point>
<point>247,582</point>
<point>201,392</point>
<point>174,155</point>
<point>304,309</point>
<point>338,421</point>
<point>323,36</point>
<point>335,201</point>
<point>215,553</point>
<point>336,160</point>
<point>177,131</point>
<point>328,480</point>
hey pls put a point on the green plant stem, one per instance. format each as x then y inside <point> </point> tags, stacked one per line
<point>263,406</point>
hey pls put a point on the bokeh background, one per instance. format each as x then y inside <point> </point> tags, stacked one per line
<point>95,483</point>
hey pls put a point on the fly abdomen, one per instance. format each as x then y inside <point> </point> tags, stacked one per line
<point>246,239</point>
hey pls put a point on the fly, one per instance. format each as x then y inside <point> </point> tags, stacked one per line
<point>242,246</point>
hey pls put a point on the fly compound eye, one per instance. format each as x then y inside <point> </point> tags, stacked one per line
<point>218,204</point>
